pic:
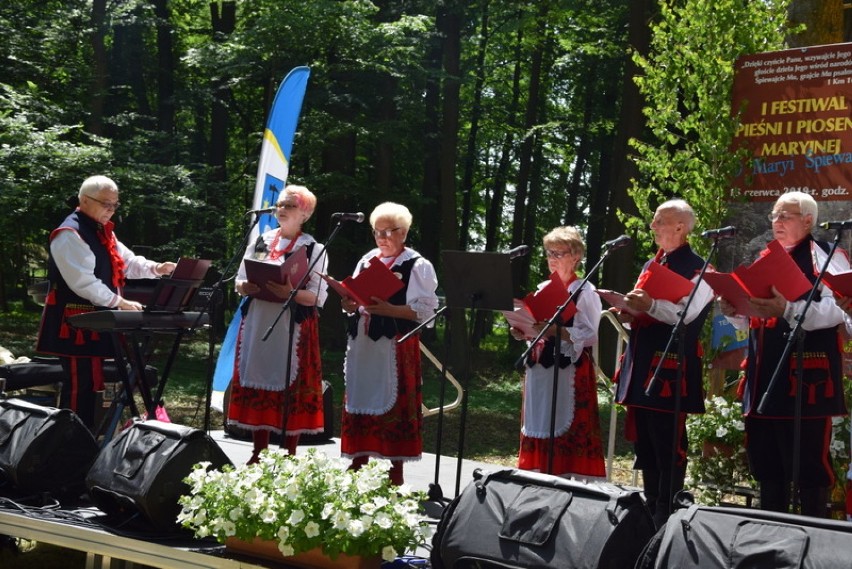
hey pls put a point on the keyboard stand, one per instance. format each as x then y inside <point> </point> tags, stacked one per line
<point>132,335</point>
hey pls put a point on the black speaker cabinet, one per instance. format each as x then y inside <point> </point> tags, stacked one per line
<point>44,449</point>
<point>721,538</point>
<point>514,519</point>
<point>141,471</point>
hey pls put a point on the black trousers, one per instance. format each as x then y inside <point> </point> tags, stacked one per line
<point>661,456</point>
<point>78,393</point>
<point>770,448</point>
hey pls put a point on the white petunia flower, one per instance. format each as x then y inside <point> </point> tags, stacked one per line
<point>312,529</point>
<point>286,549</point>
<point>296,517</point>
<point>384,521</point>
<point>388,553</point>
<point>355,528</point>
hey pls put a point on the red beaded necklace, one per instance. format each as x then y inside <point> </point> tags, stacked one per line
<point>274,253</point>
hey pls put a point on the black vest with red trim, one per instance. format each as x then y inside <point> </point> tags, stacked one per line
<point>822,377</point>
<point>385,326</point>
<point>55,335</point>
<point>648,340</point>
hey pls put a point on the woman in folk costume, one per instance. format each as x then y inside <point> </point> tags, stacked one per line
<point>382,414</point>
<point>261,383</point>
<point>577,448</point>
<point>770,427</point>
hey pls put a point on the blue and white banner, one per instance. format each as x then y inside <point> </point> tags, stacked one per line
<point>272,173</point>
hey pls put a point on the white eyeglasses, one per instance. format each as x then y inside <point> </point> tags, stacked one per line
<point>386,233</point>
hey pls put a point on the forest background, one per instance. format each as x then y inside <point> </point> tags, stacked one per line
<point>493,121</point>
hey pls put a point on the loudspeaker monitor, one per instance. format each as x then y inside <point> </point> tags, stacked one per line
<point>141,472</point>
<point>513,519</point>
<point>705,537</point>
<point>44,449</point>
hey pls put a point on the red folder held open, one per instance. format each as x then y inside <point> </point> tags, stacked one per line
<point>261,272</point>
<point>776,268</point>
<point>540,306</point>
<point>374,281</point>
<point>544,302</point>
<point>841,283</point>
<point>660,282</point>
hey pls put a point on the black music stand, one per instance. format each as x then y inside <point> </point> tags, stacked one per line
<point>476,281</point>
<point>176,294</point>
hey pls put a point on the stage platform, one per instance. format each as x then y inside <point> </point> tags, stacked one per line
<point>82,527</point>
<point>419,474</point>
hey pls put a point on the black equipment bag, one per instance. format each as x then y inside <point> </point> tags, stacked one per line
<point>43,448</point>
<point>517,519</point>
<point>737,538</point>
<point>142,470</point>
<point>47,371</point>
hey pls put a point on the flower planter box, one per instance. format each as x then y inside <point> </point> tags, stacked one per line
<point>311,559</point>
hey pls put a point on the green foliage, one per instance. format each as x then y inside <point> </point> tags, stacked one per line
<point>717,454</point>
<point>686,81</point>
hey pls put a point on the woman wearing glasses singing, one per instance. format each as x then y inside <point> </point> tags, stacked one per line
<point>261,386</point>
<point>382,415</point>
<point>577,448</point>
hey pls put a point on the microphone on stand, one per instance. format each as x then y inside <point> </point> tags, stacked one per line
<point>356,217</point>
<point>721,233</point>
<point>272,209</point>
<point>837,224</point>
<point>518,251</point>
<point>617,243</point>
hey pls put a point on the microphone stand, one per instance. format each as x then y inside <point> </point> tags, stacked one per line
<point>215,299</point>
<point>554,320</point>
<point>678,335</point>
<point>285,412</point>
<point>797,335</point>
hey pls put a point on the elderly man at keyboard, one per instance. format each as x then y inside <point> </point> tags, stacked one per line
<point>87,269</point>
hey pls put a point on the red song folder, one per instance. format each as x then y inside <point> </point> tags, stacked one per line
<point>662,283</point>
<point>544,302</point>
<point>375,281</point>
<point>539,306</point>
<point>756,280</point>
<point>261,272</point>
<point>841,283</point>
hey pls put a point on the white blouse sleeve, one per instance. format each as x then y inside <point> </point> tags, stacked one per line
<point>315,282</point>
<point>584,331</point>
<point>136,266</point>
<point>422,285</point>
<point>76,264</point>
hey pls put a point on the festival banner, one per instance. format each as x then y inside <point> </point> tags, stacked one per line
<point>272,171</point>
<point>796,122</point>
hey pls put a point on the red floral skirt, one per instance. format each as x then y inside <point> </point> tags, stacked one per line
<point>397,434</point>
<point>261,409</point>
<point>578,451</point>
